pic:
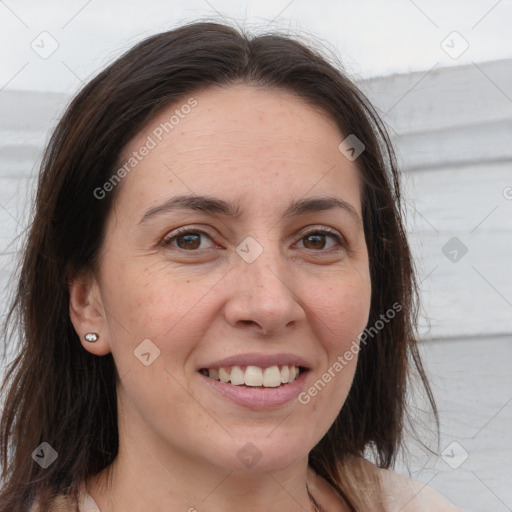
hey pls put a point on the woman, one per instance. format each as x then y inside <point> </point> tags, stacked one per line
<point>217,299</point>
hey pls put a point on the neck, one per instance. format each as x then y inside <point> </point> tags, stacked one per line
<point>145,477</point>
<point>143,483</point>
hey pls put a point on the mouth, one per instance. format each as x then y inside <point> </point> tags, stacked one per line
<point>256,381</point>
<point>258,377</point>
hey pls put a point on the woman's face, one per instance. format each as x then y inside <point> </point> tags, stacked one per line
<point>244,283</point>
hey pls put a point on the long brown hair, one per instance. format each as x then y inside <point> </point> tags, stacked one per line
<point>57,392</point>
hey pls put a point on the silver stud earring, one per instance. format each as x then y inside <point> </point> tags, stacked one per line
<point>91,337</point>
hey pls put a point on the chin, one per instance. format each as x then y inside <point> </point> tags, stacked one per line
<point>263,454</point>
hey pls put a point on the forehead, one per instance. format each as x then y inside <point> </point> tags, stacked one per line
<point>242,140</point>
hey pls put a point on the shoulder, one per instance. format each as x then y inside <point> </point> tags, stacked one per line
<point>58,504</point>
<point>400,493</point>
<point>80,502</point>
<point>85,501</point>
<point>384,491</point>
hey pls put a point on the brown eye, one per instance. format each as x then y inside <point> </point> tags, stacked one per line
<point>187,240</point>
<point>191,241</point>
<point>318,240</point>
<point>314,241</point>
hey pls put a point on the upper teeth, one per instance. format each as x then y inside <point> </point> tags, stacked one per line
<point>270,377</point>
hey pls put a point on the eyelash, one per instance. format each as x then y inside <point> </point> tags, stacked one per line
<point>180,232</point>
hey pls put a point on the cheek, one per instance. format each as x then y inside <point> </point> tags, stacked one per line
<point>341,315</point>
<point>149,300</point>
<point>159,304</point>
<point>343,311</point>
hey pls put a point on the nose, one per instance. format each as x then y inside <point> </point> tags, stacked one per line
<point>263,295</point>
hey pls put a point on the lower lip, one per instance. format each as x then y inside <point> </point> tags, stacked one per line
<point>258,398</point>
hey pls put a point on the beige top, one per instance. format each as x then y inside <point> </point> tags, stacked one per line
<point>86,503</point>
<point>405,495</point>
<point>402,495</point>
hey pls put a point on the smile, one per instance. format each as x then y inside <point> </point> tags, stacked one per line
<point>254,376</point>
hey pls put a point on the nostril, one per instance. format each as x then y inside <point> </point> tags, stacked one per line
<point>254,324</point>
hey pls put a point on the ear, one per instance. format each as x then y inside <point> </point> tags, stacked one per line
<point>87,313</point>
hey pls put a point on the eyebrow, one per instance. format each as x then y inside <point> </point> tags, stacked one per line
<point>214,206</point>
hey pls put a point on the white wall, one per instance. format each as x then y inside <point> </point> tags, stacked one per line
<point>453,131</point>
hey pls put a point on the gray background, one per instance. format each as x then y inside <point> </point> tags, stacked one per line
<point>447,99</point>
